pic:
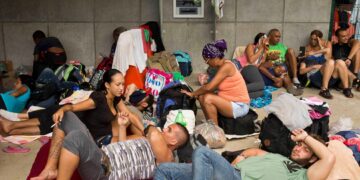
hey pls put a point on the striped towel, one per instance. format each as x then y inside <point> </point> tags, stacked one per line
<point>131,159</point>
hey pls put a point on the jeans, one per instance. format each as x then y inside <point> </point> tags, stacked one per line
<point>207,164</point>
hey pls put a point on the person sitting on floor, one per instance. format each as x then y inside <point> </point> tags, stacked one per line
<point>281,56</point>
<point>278,59</point>
<point>321,70</point>
<point>48,52</point>
<point>309,159</point>
<point>16,99</point>
<point>348,50</point>
<point>255,53</point>
<point>97,112</point>
<point>79,151</point>
<point>232,99</point>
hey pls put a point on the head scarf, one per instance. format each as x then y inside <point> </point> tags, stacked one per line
<point>214,49</point>
<point>137,96</point>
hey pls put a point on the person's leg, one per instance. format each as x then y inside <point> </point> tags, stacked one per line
<point>327,70</point>
<point>32,130</point>
<point>10,126</point>
<point>207,164</point>
<point>80,152</point>
<point>356,61</point>
<point>292,63</point>
<point>67,164</point>
<point>341,71</point>
<point>69,123</point>
<point>253,79</point>
<point>174,171</point>
<point>212,104</point>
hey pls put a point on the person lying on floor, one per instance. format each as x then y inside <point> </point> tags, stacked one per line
<point>16,99</point>
<point>97,112</point>
<point>321,70</point>
<point>278,59</point>
<point>232,99</point>
<point>310,159</point>
<point>129,157</point>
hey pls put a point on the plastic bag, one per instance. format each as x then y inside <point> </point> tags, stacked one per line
<point>213,134</point>
<point>189,118</point>
<point>343,124</point>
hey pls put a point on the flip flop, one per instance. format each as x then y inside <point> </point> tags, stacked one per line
<point>16,149</point>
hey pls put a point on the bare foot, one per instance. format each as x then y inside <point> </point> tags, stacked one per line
<point>4,126</point>
<point>46,174</point>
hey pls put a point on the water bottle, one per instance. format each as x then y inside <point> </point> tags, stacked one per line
<point>180,118</point>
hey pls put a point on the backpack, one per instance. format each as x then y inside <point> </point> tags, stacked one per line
<point>239,126</point>
<point>275,136</point>
<point>164,61</point>
<point>70,72</point>
<point>170,98</point>
<point>105,64</point>
<point>96,79</point>
<point>185,152</point>
<point>184,61</point>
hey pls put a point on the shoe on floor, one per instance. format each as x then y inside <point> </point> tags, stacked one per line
<point>347,92</point>
<point>325,93</point>
<point>294,91</point>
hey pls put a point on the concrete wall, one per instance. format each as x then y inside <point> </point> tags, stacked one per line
<point>83,26</point>
<point>242,20</point>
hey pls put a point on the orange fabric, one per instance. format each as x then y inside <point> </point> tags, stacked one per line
<point>133,76</point>
<point>234,88</point>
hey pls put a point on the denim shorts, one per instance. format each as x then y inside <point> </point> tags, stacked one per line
<point>239,109</point>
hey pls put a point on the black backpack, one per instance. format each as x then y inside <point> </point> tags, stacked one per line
<point>184,153</point>
<point>275,136</point>
<point>239,126</point>
<point>170,98</point>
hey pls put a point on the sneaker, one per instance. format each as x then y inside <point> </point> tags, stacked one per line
<point>294,91</point>
<point>347,92</point>
<point>325,93</point>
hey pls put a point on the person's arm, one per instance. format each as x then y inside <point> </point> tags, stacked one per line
<point>248,153</point>
<point>82,106</point>
<point>159,146</point>
<point>224,71</point>
<point>304,69</point>
<point>19,91</point>
<point>322,167</point>
<point>355,46</point>
<point>135,121</point>
<point>123,122</point>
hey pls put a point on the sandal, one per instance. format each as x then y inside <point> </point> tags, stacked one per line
<point>347,92</point>
<point>16,149</point>
<point>325,93</point>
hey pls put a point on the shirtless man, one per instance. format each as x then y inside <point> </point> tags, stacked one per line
<point>79,150</point>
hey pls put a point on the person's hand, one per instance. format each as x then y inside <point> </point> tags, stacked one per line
<point>277,80</point>
<point>348,62</point>
<point>123,119</point>
<point>316,67</point>
<point>299,135</point>
<point>237,160</point>
<point>58,116</point>
<point>190,94</point>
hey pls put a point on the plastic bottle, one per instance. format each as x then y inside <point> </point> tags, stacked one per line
<point>180,118</point>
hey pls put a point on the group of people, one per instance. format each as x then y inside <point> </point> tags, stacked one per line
<point>90,136</point>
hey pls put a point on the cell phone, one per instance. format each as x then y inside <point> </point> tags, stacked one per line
<point>302,51</point>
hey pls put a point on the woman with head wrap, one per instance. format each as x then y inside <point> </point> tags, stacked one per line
<point>232,99</point>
